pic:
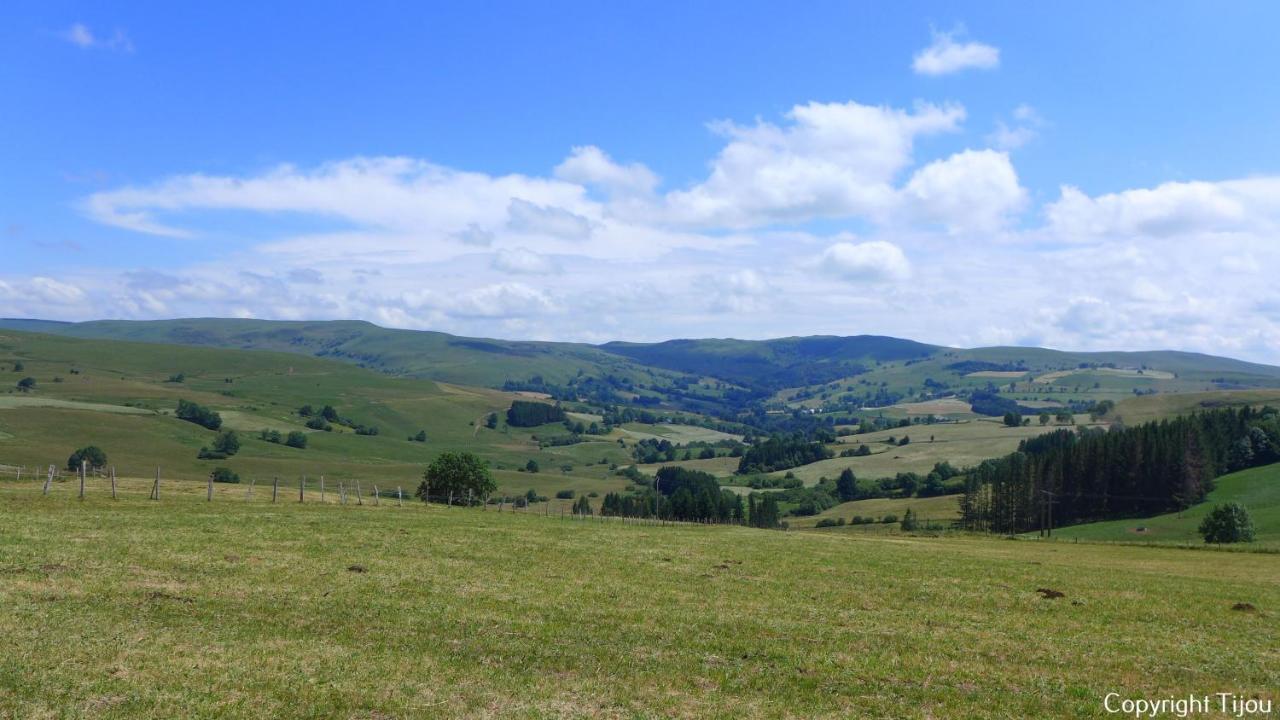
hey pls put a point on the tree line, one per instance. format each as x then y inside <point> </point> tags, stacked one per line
<point>1094,474</point>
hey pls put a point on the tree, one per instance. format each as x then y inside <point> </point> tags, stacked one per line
<point>27,384</point>
<point>531,466</point>
<point>847,486</point>
<point>457,474</point>
<point>92,456</point>
<point>227,443</point>
<point>420,437</point>
<point>908,523</point>
<point>1012,419</point>
<point>582,506</point>
<point>525,413</point>
<point>18,366</point>
<point>1044,418</point>
<point>1229,523</point>
<point>198,414</point>
<point>296,439</point>
<point>491,421</point>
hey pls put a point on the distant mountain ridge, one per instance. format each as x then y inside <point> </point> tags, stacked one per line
<point>758,367</point>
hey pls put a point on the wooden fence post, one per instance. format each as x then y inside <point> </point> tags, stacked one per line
<point>359,498</point>
<point>209,493</point>
<point>342,491</point>
<point>155,489</point>
<point>321,488</point>
<point>275,487</point>
<point>113,482</point>
<point>48,481</point>
<point>301,484</point>
<point>376,499</point>
<point>399,497</point>
<point>248,492</point>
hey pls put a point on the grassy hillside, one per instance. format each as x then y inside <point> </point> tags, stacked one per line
<point>1258,489</point>
<point>117,395</point>
<point>242,608</point>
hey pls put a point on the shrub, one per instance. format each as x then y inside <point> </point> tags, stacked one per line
<point>177,378</point>
<point>889,519</point>
<point>318,423</point>
<point>27,384</point>
<point>531,466</point>
<point>198,414</point>
<point>91,456</point>
<point>564,495</point>
<point>458,475</point>
<point>830,522</point>
<point>296,439</point>
<point>224,475</point>
<point>18,366</point>
<point>1229,523</point>
<point>271,436</point>
<point>909,521</point>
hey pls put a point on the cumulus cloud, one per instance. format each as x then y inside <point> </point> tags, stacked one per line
<point>874,261</point>
<point>974,190</point>
<point>589,165</point>
<point>949,53</point>
<point>832,160</point>
<point>1176,208</point>
<point>749,249</point>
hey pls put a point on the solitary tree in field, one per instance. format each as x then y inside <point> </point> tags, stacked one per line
<point>27,384</point>
<point>1044,418</point>
<point>18,366</point>
<point>457,474</point>
<point>1229,523</point>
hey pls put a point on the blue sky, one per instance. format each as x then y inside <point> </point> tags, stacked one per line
<point>415,165</point>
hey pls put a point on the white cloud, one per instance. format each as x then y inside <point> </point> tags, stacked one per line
<point>589,165</point>
<point>873,261</point>
<point>737,253</point>
<point>949,54</point>
<point>521,261</point>
<point>833,160</point>
<point>1026,127</point>
<point>974,190</point>
<point>81,36</point>
<point>527,217</point>
<point>503,300</point>
<point>1176,208</point>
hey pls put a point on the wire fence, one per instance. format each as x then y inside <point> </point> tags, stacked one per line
<point>99,482</point>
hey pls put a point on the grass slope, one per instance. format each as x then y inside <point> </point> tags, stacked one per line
<point>247,609</point>
<point>119,399</point>
<point>1258,489</point>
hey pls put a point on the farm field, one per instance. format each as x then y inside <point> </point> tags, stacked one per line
<point>248,609</point>
<point>942,508</point>
<point>963,443</point>
<point>1258,489</point>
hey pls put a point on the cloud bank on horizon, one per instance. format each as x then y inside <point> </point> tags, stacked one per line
<point>833,217</point>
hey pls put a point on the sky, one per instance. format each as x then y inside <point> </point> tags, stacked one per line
<point>1073,175</point>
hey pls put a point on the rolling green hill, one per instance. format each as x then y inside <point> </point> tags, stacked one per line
<point>718,376</point>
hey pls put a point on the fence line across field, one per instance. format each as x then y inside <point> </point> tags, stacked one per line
<point>498,503</point>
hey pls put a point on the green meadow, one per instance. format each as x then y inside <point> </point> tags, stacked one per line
<point>244,608</point>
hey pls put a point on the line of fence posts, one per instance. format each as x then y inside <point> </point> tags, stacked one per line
<point>342,491</point>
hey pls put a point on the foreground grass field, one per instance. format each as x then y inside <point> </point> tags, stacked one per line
<point>242,608</point>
